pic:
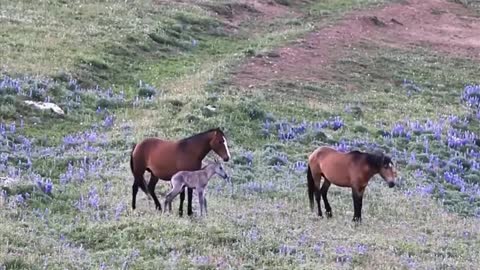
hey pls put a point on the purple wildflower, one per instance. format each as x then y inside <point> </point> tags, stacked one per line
<point>118,210</point>
<point>362,249</point>
<point>93,198</point>
<point>286,250</point>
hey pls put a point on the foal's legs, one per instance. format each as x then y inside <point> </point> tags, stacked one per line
<point>357,195</point>
<point>323,191</point>
<point>177,188</point>
<point>205,203</point>
<point>201,198</point>
<point>151,189</point>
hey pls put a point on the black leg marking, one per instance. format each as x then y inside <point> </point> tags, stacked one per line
<point>324,191</point>
<point>357,204</point>
<point>151,189</point>
<point>189,201</point>
<point>134,195</point>
<point>182,198</point>
<point>318,199</point>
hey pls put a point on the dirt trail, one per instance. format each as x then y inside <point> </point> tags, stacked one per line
<point>443,26</point>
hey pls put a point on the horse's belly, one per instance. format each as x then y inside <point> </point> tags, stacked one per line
<point>337,176</point>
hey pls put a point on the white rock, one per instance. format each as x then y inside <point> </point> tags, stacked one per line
<point>45,106</point>
<point>210,108</point>
<point>7,180</point>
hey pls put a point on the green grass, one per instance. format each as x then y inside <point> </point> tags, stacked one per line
<point>122,43</point>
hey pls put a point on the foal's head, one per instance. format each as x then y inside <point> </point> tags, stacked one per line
<point>385,167</point>
<point>220,170</point>
<point>219,144</point>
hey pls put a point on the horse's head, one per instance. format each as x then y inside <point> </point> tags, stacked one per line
<point>219,145</point>
<point>220,170</point>
<point>387,170</point>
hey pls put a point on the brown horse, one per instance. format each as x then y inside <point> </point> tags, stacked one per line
<point>353,169</point>
<point>164,158</point>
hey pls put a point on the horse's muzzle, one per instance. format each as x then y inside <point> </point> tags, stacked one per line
<point>391,184</point>
<point>226,159</point>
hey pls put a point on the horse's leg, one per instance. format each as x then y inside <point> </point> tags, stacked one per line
<point>182,198</point>
<point>189,201</point>
<point>151,189</point>
<point>357,195</point>
<point>138,182</point>
<point>318,195</point>
<point>134,194</point>
<point>323,191</point>
<point>200,200</point>
<point>205,203</point>
<point>171,195</point>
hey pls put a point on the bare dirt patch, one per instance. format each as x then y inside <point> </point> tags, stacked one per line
<point>445,27</point>
<point>238,12</point>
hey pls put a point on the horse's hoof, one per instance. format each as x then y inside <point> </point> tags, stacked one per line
<point>329,214</point>
<point>357,220</point>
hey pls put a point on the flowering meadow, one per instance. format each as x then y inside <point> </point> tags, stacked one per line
<point>142,71</point>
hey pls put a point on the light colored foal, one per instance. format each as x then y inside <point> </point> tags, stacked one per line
<point>197,180</point>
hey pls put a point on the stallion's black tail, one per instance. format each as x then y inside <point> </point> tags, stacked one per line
<point>140,181</point>
<point>310,186</point>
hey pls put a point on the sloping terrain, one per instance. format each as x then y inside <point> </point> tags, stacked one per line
<point>442,26</point>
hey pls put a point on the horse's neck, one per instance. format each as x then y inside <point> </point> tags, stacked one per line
<point>210,171</point>
<point>201,151</point>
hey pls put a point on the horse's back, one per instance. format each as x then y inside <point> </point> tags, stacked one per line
<point>158,155</point>
<point>332,164</point>
<point>321,153</point>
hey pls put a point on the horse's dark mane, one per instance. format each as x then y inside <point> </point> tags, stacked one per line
<point>375,161</point>
<point>201,134</point>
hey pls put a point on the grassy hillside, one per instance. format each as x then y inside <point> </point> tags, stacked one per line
<point>125,70</point>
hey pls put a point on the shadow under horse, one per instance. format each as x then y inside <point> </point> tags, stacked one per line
<point>163,158</point>
<point>353,169</point>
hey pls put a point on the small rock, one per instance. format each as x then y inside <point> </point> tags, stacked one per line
<point>7,181</point>
<point>273,54</point>
<point>46,106</point>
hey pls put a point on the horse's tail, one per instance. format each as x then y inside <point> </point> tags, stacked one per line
<point>140,181</point>
<point>131,158</point>
<point>310,186</point>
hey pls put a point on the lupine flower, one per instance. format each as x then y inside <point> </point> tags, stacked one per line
<point>200,260</point>
<point>249,157</point>
<point>45,185</point>
<point>342,255</point>
<point>300,166</point>
<point>318,248</point>
<point>362,249</point>
<point>286,250</point>
<point>252,234</point>
<point>93,198</point>
<point>108,121</point>
<point>118,210</point>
